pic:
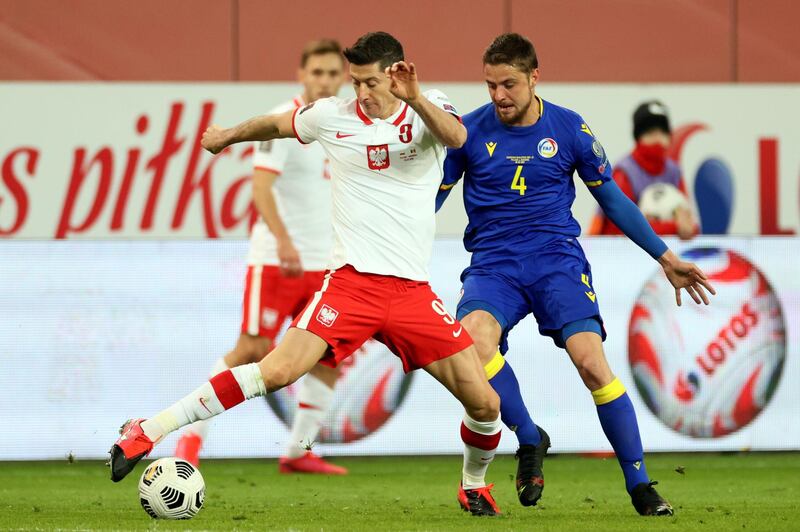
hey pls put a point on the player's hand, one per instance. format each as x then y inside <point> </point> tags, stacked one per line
<point>404,81</point>
<point>289,259</point>
<point>214,139</point>
<point>687,276</point>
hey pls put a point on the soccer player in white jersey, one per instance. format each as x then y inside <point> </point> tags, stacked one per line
<point>386,148</point>
<point>289,248</point>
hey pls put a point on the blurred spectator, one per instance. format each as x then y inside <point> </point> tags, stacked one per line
<point>652,180</point>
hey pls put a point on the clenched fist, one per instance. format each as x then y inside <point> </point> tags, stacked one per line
<point>214,139</point>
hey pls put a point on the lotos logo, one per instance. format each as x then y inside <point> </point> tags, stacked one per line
<point>327,315</point>
<point>708,371</point>
<point>378,157</point>
<point>547,148</point>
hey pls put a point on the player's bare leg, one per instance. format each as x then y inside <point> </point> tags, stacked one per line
<point>316,394</point>
<point>618,419</point>
<point>296,354</point>
<point>314,399</point>
<point>463,375</point>
<point>533,440</point>
<point>485,332</point>
<point>248,349</point>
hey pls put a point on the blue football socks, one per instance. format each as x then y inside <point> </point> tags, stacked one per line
<point>618,418</point>
<point>513,411</point>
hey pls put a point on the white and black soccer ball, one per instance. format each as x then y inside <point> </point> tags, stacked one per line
<point>171,488</point>
<point>660,200</point>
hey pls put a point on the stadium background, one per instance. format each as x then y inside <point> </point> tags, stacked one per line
<point>146,296</point>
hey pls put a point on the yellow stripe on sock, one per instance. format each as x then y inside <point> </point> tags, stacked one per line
<point>494,366</point>
<point>609,392</point>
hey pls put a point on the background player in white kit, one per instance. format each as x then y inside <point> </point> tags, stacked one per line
<point>386,148</point>
<point>289,249</point>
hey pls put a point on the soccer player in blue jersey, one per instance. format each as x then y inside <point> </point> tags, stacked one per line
<point>517,165</point>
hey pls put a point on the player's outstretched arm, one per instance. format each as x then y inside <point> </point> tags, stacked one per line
<point>444,126</point>
<point>264,127</point>
<point>627,216</point>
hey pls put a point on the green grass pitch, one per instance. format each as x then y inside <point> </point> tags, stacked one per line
<point>758,491</point>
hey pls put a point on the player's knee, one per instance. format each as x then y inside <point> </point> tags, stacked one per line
<point>250,349</point>
<point>483,336</point>
<point>486,349</point>
<point>259,348</point>
<point>237,357</point>
<point>486,408</point>
<point>592,368</point>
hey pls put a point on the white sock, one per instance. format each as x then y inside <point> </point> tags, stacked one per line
<point>313,400</point>
<point>480,444</point>
<point>201,428</point>
<point>222,392</point>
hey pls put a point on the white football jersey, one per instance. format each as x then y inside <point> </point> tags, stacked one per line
<point>303,196</point>
<point>385,175</point>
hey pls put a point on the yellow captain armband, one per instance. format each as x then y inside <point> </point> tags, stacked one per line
<point>494,366</point>
<point>446,187</point>
<point>591,184</point>
<point>609,392</point>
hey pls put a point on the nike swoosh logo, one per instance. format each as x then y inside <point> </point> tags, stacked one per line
<point>202,402</point>
<point>339,135</point>
<point>457,333</point>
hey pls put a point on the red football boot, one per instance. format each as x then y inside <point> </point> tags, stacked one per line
<point>309,463</point>
<point>131,447</point>
<point>478,501</point>
<point>188,448</point>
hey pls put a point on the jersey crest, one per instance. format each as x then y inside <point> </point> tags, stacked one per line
<point>548,148</point>
<point>378,157</point>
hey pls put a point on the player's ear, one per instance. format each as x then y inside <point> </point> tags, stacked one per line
<point>534,77</point>
<point>301,74</point>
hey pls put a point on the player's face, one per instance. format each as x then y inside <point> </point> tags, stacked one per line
<point>322,76</point>
<point>511,91</point>
<point>372,90</point>
<point>656,136</point>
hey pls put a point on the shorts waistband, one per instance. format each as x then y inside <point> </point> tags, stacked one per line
<point>399,284</point>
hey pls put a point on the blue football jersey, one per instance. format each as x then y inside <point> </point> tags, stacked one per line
<point>518,186</point>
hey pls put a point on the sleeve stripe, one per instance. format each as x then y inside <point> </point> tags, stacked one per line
<point>267,169</point>
<point>294,128</point>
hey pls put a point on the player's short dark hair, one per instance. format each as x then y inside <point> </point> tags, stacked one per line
<point>375,47</point>
<point>512,49</point>
<point>320,47</point>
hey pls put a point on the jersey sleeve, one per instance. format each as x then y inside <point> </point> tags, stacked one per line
<point>591,162</point>
<point>271,155</point>
<point>306,120</point>
<point>454,166</point>
<point>440,100</point>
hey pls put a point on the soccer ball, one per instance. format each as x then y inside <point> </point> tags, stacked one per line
<point>660,200</point>
<point>708,371</point>
<point>370,388</point>
<point>171,488</point>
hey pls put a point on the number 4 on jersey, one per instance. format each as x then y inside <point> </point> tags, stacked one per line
<point>519,182</point>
